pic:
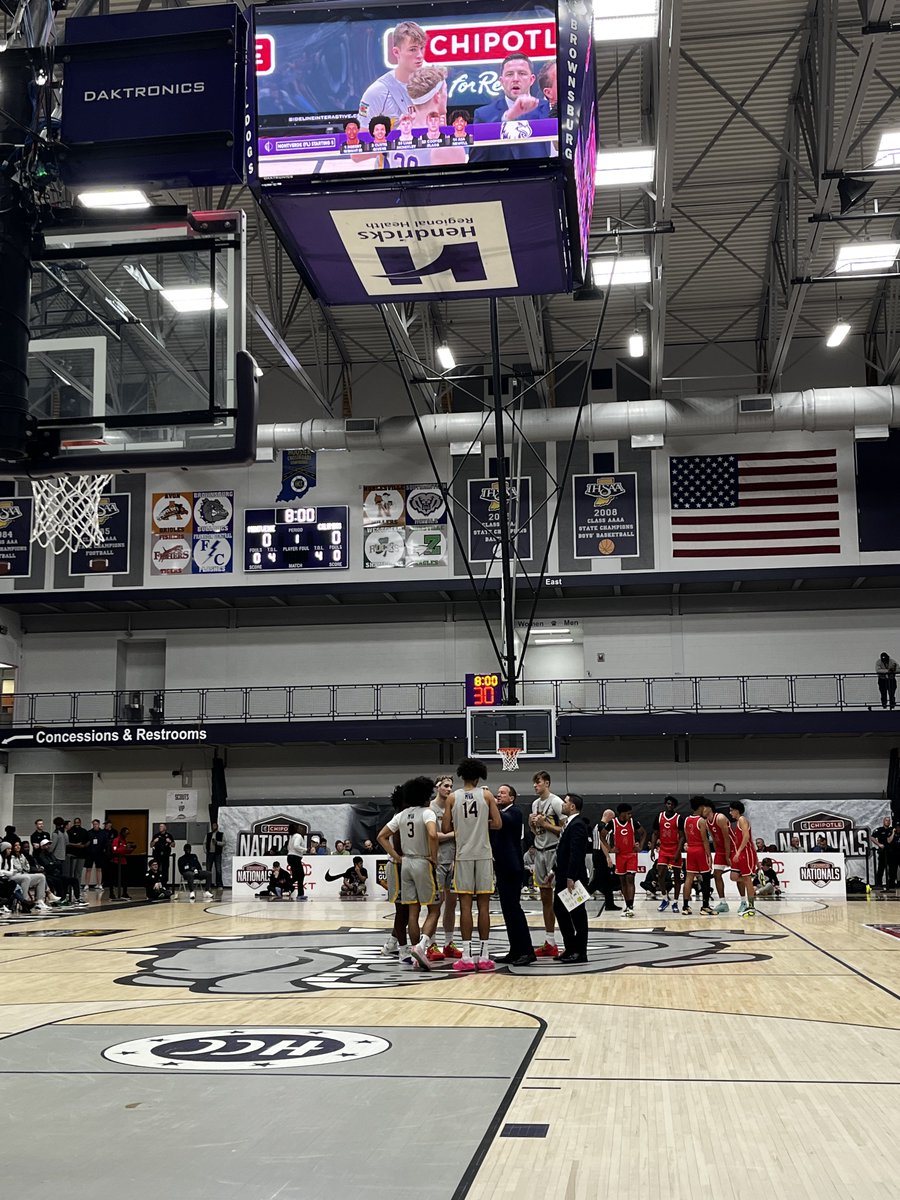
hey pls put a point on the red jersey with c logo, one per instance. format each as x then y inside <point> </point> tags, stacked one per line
<point>698,862</point>
<point>746,862</point>
<point>720,858</point>
<point>625,843</point>
<point>669,832</point>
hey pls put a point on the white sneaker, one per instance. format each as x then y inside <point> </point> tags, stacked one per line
<point>191,896</point>
<point>629,912</point>
<point>207,895</point>
<point>41,907</point>
<point>4,912</point>
<point>81,904</point>
<point>390,947</point>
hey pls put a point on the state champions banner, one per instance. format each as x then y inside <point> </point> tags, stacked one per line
<point>484,517</point>
<point>605,515</point>
<point>110,554</point>
<point>404,525</point>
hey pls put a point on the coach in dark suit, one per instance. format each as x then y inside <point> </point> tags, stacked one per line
<point>509,867</point>
<point>571,866</point>
<point>515,103</point>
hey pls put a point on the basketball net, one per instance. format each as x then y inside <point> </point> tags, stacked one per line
<point>510,755</point>
<point>67,511</point>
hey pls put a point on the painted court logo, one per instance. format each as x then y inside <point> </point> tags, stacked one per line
<point>347,959</point>
<point>821,872</point>
<point>250,1049</point>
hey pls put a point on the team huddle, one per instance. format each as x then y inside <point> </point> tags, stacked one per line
<point>702,847</point>
<point>451,847</point>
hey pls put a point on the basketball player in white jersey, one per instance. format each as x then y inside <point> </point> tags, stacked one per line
<point>470,813</point>
<point>416,827</point>
<point>546,823</point>
<point>397,943</point>
<point>445,865</point>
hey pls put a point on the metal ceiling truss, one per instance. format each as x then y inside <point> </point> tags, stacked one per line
<point>665,108</point>
<point>817,143</point>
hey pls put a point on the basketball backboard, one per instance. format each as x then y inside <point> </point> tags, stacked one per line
<point>137,357</point>
<point>529,728</point>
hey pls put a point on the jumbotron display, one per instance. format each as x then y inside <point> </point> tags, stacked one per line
<point>403,90</point>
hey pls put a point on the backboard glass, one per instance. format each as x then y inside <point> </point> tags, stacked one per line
<point>530,728</point>
<point>137,354</point>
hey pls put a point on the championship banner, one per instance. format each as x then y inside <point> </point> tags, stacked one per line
<point>191,533</point>
<point>606,515</point>
<point>484,517</point>
<point>182,805</point>
<point>325,876</point>
<point>404,525</point>
<point>298,475</point>
<point>110,555</point>
<point>15,537</point>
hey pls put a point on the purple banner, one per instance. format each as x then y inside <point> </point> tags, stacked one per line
<point>322,145</point>
<point>477,240</point>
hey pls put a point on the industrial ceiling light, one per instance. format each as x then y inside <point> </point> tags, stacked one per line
<point>864,257</point>
<point>837,335</point>
<point>617,168</point>
<point>445,358</point>
<point>545,641</point>
<point>625,20</point>
<point>627,270</point>
<point>193,299</point>
<point>636,345</point>
<point>851,190</point>
<point>114,198</point>
<point>888,150</point>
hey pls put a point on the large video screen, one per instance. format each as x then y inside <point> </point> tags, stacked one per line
<point>404,89</point>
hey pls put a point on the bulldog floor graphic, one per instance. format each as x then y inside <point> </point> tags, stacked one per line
<point>279,963</point>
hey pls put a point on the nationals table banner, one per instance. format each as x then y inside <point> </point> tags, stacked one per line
<point>323,876</point>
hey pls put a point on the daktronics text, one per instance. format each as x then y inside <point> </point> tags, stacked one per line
<point>150,91</point>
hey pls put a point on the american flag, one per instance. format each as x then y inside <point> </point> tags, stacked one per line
<point>755,505</point>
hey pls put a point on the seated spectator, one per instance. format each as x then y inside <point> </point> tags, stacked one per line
<point>15,865</point>
<point>153,883</point>
<point>322,847</point>
<point>795,843</point>
<point>354,882</point>
<point>369,847</point>
<point>766,880</point>
<point>190,870</point>
<point>10,895</point>
<point>821,846</point>
<point>341,848</point>
<point>280,884</point>
<point>760,845</point>
<point>67,887</point>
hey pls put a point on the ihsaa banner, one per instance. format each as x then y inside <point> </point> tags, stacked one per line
<point>606,519</point>
<point>471,239</point>
<point>155,96</point>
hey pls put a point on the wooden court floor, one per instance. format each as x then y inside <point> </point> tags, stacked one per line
<point>694,1056</point>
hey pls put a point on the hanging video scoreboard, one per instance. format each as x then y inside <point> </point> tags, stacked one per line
<point>297,539</point>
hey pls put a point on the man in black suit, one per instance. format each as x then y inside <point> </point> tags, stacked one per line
<point>515,104</point>
<point>571,866</point>
<point>509,871</point>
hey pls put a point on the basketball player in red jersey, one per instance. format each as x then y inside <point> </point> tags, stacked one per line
<point>625,836</point>
<point>668,836</point>
<point>699,856</point>
<point>720,832</point>
<point>744,861</point>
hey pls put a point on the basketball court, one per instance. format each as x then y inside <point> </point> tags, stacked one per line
<point>769,1053</point>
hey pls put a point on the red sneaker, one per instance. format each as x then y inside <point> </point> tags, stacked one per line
<point>451,950</point>
<point>434,954</point>
<point>548,950</point>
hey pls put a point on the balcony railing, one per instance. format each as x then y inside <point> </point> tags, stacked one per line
<point>352,701</point>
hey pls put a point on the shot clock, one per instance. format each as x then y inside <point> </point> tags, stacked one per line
<point>296,539</point>
<point>484,691</point>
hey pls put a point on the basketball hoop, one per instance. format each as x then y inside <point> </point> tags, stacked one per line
<point>510,756</point>
<point>67,511</point>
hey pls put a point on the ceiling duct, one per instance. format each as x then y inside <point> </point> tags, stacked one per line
<point>814,410</point>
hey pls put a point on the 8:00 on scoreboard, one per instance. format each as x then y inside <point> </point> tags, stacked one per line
<point>297,539</point>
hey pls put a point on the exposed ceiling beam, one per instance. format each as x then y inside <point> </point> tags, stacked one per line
<point>531,324</point>
<point>399,323</point>
<point>666,107</point>
<point>833,149</point>
<point>290,359</point>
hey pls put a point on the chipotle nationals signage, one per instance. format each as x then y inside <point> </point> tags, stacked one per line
<point>846,826</point>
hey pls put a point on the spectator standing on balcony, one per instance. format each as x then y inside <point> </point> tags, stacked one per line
<point>886,669</point>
